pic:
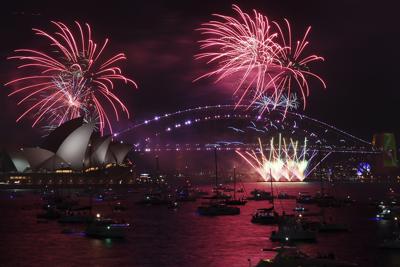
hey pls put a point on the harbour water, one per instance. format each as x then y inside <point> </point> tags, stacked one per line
<point>166,237</point>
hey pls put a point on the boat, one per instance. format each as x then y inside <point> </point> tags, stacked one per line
<point>49,214</point>
<point>258,195</point>
<point>106,228</point>
<point>283,195</point>
<point>154,199</point>
<point>291,229</point>
<point>300,209</point>
<point>185,194</point>
<point>293,257</point>
<point>265,216</point>
<point>77,215</point>
<point>119,207</point>
<point>218,195</point>
<point>217,209</point>
<point>305,198</point>
<point>391,243</point>
<point>235,201</point>
<point>173,205</point>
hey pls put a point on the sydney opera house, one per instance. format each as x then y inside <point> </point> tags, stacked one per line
<point>74,153</point>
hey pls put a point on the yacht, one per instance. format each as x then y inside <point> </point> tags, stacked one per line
<point>300,209</point>
<point>292,229</point>
<point>258,195</point>
<point>305,198</point>
<point>235,201</point>
<point>265,216</point>
<point>77,215</point>
<point>391,243</point>
<point>293,257</point>
<point>106,228</point>
<point>49,214</point>
<point>154,199</point>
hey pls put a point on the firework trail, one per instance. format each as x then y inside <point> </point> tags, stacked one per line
<point>268,103</point>
<point>71,80</point>
<point>244,46</point>
<point>287,162</point>
<point>295,65</point>
<point>264,59</point>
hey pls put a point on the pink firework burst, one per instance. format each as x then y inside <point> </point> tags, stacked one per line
<point>71,80</point>
<point>245,47</point>
<point>295,65</point>
<point>265,61</point>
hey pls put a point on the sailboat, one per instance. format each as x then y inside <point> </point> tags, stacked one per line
<point>291,256</point>
<point>216,207</point>
<point>328,226</point>
<point>234,201</point>
<point>266,215</point>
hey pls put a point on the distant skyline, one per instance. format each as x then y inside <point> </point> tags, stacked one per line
<point>359,42</point>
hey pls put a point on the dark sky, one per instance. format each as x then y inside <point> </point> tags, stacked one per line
<point>358,39</point>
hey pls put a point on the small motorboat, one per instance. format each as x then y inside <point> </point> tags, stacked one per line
<point>391,243</point>
<point>106,228</point>
<point>293,257</point>
<point>265,216</point>
<point>154,199</point>
<point>218,195</point>
<point>49,214</point>
<point>173,205</point>
<point>305,198</point>
<point>258,195</point>
<point>77,215</point>
<point>283,195</point>
<point>300,209</point>
<point>292,230</point>
<point>119,207</point>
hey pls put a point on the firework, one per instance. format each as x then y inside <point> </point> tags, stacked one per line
<point>295,65</point>
<point>268,103</point>
<point>288,162</point>
<point>244,47</point>
<point>264,59</point>
<point>71,80</point>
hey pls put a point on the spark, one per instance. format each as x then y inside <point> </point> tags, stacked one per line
<point>71,80</point>
<point>263,57</point>
<point>287,162</point>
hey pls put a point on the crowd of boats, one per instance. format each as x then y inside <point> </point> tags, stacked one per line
<point>303,223</point>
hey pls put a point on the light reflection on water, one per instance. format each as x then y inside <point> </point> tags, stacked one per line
<point>167,237</point>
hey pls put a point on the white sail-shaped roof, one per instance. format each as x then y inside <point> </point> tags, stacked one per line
<point>53,163</point>
<point>36,156</point>
<point>19,160</point>
<point>119,151</point>
<point>73,148</point>
<point>99,151</point>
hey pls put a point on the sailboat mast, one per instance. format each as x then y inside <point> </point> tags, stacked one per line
<point>216,167</point>
<point>272,189</point>
<point>234,183</point>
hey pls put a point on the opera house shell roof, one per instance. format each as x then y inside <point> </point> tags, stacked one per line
<point>73,145</point>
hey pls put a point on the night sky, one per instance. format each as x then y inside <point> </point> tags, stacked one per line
<point>359,41</point>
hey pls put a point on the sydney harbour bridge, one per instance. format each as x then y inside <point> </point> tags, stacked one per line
<point>230,128</point>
